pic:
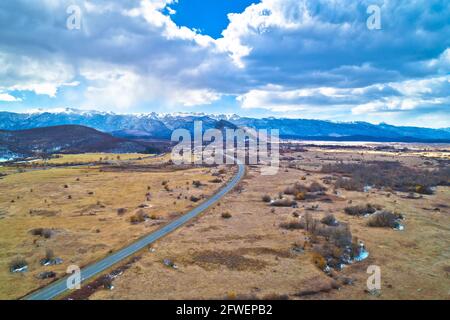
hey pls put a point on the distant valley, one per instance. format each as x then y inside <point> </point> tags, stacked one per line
<point>75,131</point>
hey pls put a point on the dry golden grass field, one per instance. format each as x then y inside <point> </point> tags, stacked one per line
<point>248,255</point>
<point>79,206</point>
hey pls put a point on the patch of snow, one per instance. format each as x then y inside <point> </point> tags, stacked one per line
<point>20,270</point>
<point>363,255</point>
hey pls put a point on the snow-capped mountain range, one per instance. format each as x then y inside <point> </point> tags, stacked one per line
<point>160,126</point>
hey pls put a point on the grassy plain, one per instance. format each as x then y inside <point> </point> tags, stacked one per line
<point>80,206</point>
<point>249,255</point>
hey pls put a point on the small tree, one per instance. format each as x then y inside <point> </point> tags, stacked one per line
<point>226,215</point>
<point>49,254</point>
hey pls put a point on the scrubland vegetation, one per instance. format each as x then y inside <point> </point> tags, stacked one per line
<point>291,234</point>
<point>388,175</point>
<point>286,236</point>
<point>84,212</point>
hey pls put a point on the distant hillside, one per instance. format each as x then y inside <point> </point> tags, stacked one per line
<point>63,139</point>
<point>157,126</point>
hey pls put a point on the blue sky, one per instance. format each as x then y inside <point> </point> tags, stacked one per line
<point>208,17</point>
<point>286,58</point>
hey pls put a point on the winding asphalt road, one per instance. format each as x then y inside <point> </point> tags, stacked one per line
<point>55,289</point>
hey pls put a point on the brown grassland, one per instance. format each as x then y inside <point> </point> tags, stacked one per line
<point>87,210</point>
<point>250,256</point>
<point>242,247</point>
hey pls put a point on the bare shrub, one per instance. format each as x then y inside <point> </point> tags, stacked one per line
<point>37,231</point>
<point>17,263</point>
<point>197,183</point>
<point>388,174</point>
<point>329,220</point>
<point>384,219</point>
<point>341,236</point>
<point>107,282</point>
<point>319,261</point>
<point>121,211</point>
<point>139,217</point>
<point>49,254</point>
<point>42,232</point>
<point>226,215</point>
<point>295,189</point>
<point>349,184</point>
<point>285,202</point>
<point>361,210</point>
<point>300,196</point>
<point>308,222</point>
<point>292,225</point>
<point>316,187</point>
<point>239,188</point>
<point>194,199</point>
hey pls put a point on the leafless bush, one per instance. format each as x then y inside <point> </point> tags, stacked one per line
<point>197,183</point>
<point>226,215</point>
<point>388,174</point>
<point>349,184</point>
<point>49,254</point>
<point>285,202</point>
<point>316,187</point>
<point>107,282</point>
<point>42,232</point>
<point>17,263</point>
<point>329,220</point>
<point>194,199</point>
<point>292,225</point>
<point>139,217</point>
<point>309,223</point>
<point>121,211</point>
<point>341,236</point>
<point>361,210</point>
<point>295,189</point>
<point>384,219</point>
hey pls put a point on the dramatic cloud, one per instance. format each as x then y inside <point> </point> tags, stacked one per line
<point>312,58</point>
<point>8,98</point>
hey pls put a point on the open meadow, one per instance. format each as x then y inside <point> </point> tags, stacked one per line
<point>82,213</point>
<point>245,247</point>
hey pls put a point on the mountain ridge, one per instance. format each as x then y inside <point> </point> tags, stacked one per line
<point>160,126</point>
<point>63,139</point>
